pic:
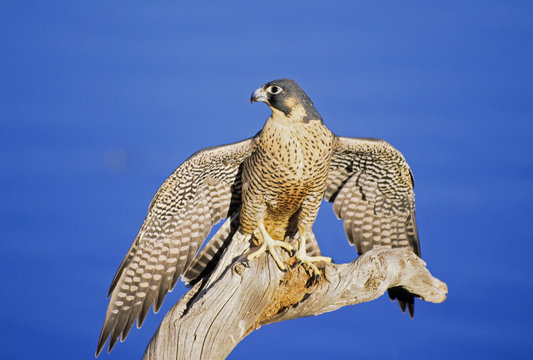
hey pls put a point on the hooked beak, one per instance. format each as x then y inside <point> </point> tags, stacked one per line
<point>259,95</point>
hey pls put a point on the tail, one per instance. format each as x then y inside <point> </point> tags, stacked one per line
<point>205,261</point>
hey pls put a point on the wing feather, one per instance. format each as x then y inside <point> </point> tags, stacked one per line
<point>203,190</point>
<point>371,187</point>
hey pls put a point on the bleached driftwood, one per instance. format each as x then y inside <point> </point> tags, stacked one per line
<point>239,297</point>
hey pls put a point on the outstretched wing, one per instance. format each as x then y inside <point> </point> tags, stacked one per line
<point>203,190</point>
<point>371,187</point>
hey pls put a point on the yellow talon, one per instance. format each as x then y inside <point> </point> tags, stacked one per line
<point>271,245</point>
<point>302,257</point>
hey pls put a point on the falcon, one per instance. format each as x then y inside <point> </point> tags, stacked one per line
<point>269,189</point>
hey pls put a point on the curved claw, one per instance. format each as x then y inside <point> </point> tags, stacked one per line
<point>302,258</point>
<point>308,261</point>
<point>271,246</point>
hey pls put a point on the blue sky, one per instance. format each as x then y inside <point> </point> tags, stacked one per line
<point>101,100</point>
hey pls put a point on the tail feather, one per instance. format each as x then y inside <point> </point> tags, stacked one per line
<point>206,259</point>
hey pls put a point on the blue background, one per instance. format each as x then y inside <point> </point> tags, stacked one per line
<point>101,100</point>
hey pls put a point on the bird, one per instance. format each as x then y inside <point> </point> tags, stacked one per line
<point>268,188</point>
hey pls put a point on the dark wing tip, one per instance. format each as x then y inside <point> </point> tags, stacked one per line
<point>405,299</point>
<point>411,308</point>
<point>100,346</point>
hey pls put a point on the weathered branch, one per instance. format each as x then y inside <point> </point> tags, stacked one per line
<point>214,316</point>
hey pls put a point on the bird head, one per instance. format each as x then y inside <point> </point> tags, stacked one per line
<point>286,96</point>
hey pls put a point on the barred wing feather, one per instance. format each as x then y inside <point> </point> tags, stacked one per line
<point>203,190</point>
<point>371,187</point>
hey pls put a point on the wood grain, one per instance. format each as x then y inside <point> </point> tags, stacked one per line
<point>239,297</point>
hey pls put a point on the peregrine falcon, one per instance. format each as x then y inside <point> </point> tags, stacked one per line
<point>269,188</point>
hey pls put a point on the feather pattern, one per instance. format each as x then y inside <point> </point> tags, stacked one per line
<point>203,190</point>
<point>206,259</point>
<point>275,179</point>
<point>371,187</point>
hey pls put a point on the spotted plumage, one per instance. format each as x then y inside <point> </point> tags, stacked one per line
<point>269,188</point>
<point>287,173</point>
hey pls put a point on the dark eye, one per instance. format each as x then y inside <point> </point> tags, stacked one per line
<point>274,89</point>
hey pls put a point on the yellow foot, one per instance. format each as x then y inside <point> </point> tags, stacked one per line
<point>271,246</point>
<point>302,257</point>
<point>309,261</point>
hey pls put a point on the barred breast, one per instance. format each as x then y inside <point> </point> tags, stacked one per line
<point>289,164</point>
